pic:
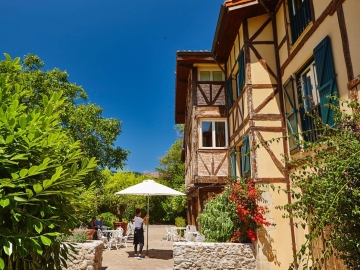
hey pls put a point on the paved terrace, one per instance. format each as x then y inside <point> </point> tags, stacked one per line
<point>160,256</point>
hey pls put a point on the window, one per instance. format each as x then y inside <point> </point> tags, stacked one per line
<point>316,82</point>
<point>206,75</point>
<point>245,157</point>
<point>311,102</point>
<point>240,76</point>
<point>291,112</point>
<point>213,134</point>
<point>300,17</point>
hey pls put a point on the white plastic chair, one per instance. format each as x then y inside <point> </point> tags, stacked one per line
<point>200,237</point>
<point>103,238</point>
<point>116,238</point>
<point>174,234</point>
<point>125,238</point>
<point>168,233</point>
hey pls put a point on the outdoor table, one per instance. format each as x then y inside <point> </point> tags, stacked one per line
<point>108,232</point>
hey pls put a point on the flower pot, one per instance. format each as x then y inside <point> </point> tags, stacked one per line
<point>90,233</point>
<point>123,225</point>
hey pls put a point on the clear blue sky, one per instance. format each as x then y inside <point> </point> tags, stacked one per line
<point>121,52</point>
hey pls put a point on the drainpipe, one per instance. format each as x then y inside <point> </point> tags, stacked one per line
<point>281,96</point>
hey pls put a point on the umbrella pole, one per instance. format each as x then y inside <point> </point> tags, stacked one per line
<point>147,228</point>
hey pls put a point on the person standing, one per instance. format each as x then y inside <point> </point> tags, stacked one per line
<point>139,233</point>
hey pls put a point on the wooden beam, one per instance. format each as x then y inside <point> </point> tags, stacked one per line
<point>263,62</point>
<point>277,163</point>
<point>261,28</point>
<point>266,101</point>
<point>268,116</point>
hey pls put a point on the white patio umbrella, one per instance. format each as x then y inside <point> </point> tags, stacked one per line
<point>149,188</point>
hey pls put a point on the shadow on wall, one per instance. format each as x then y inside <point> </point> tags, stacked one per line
<point>265,242</point>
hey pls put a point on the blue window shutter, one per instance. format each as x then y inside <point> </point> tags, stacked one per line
<point>245,156</point>
<point>240,79</point>
<point>326,79</point>
<point>229,93</point>
<point>233,163</point>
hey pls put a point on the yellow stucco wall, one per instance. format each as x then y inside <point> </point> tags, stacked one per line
<point>351,13</point>
<point>266,166</point>
<point>274,247</point>
<point>320,6</point>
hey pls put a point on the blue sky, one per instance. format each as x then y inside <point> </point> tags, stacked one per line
<point>121,52</point>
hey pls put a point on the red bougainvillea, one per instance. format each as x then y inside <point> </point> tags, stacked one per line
<point>246,197</point>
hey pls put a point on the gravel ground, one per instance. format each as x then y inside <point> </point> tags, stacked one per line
<point>159,257</point>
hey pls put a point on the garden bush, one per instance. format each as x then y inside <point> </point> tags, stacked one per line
<point>41,175</point>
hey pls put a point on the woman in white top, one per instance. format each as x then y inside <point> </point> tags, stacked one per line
<point>139,232</point>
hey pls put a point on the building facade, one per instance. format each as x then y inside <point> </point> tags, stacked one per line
<point>279,59</point>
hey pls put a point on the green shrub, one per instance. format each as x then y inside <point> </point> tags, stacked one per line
<point>109,218</point>
<point>216,220</point>
<point>180,222</point>
<point>41,175</point>
<point>77,236</point>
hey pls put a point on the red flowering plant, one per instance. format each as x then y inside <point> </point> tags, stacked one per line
<point>250,215</point>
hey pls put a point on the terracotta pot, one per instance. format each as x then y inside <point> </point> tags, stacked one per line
<point>123,225</point>
<point>90,233</point>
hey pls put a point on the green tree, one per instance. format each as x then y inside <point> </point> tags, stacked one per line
<point>41,173</point>
<point>121,206</point>
<point>172,168</point>
<point>83,121</point>
<point>326,192</point>
<point>172,172</point>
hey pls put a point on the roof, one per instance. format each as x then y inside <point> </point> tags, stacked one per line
<point>184,64</point>
<point>232,14</point>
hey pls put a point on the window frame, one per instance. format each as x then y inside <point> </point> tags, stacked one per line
<point>211,70</point>
<point>213,134</point>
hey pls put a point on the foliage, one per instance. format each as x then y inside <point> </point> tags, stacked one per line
<point>171,167</point>
<point>89,204</point>
<point>77,236</point>
<point>41,174</point>
<point>217,218</point>
<point>234,215</point>
<point>82,121</point>
<point>120,205</point>
<point>172,171</point>
<point>250,215</point>
<point>109,218</point>
<point>326,189</point>
<point>180,222</point>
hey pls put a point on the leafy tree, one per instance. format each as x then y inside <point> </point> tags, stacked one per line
<point>120,205</point>
<point>172,168</point>
<point>41,173</point>
<point>172,171</point>
<point>326,189</point>
<point>83,121</point>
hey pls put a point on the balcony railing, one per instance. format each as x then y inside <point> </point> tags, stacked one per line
<point>300,20</point>
<point>311,133</point>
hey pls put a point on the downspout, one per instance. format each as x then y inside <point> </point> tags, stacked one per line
<point>281,97</point>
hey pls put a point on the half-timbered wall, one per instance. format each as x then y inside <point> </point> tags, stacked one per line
<point>257,112</point>
<point>205,100</point>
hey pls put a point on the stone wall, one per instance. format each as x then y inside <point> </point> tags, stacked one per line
<point>89,256</point>
<point>193,255</point>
